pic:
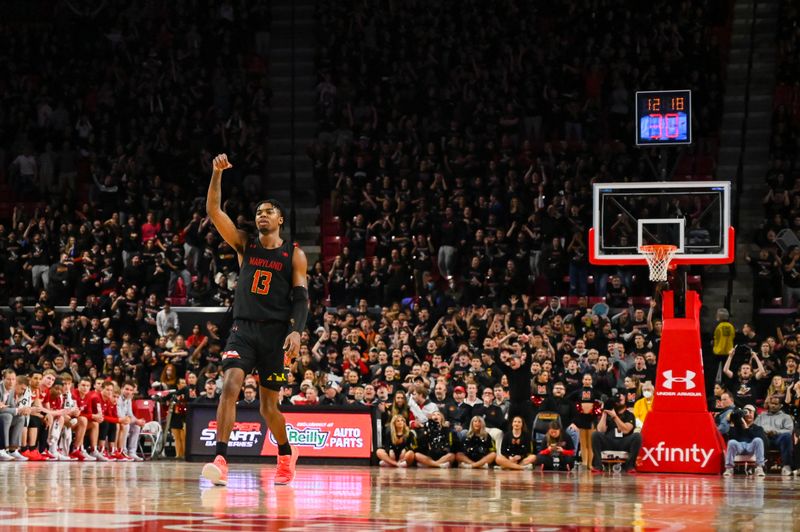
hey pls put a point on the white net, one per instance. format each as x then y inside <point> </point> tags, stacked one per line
<point>658,257</point>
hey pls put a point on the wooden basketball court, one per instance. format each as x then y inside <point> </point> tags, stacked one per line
<point>166,495</point>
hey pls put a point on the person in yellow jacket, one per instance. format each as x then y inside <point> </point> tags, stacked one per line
<point>724,334</point>
<point>643,406</point>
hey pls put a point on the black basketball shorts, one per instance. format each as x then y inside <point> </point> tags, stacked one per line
<point>254,345</point>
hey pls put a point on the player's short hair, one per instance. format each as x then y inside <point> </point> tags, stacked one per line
<point>275,203</point>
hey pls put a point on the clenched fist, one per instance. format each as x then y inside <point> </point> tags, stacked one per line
<point>221,162</point>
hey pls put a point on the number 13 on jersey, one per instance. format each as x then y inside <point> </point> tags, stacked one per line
<point>261,280</point>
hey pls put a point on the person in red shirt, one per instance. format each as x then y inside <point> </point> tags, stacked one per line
<point>150,228</point>
<point>108,426</point>
<point>89,404</point>
<point>40,394</point>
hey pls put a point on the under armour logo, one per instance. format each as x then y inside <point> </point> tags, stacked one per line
<point>687,380</point>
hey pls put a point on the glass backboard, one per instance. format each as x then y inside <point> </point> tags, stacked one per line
<point>692,215</point>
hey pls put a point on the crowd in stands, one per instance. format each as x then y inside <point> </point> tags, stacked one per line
<point>462,138</point>
<point>110,113</point>
<point>776,272</point>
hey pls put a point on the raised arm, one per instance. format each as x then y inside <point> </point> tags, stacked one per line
<point>233,236</point>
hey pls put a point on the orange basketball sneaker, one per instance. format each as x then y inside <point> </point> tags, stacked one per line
<point>286,467</point>
<point>217,471</point>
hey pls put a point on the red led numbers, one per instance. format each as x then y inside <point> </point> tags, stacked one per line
<point>261,280</point>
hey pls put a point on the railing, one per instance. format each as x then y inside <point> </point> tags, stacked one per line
<point>739,178</point>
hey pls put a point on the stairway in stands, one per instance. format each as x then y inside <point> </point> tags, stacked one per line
<point>279,146</point>
<point>755,114</point>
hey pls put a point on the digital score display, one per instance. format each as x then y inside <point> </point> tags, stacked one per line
<point>663,117</point>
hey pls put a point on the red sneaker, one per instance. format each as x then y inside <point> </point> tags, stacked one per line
<point>596,471</point>
<point>27,454</point>
<point>286,467</point>
<point>217,471</point>
<point>35,456</point>
<point>119,457</point>
<point>76,454</point>
<point>46,455</point>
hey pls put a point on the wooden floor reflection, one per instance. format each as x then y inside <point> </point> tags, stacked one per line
<point>169,496</point>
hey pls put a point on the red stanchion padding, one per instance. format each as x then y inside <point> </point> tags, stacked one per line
<point>679,434</point>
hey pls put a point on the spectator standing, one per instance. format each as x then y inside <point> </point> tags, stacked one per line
<point>167,318</point>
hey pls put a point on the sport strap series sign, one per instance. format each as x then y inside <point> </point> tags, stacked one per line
<point>317,433</point>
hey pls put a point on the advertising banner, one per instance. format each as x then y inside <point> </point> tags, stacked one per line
<point>338,433</point>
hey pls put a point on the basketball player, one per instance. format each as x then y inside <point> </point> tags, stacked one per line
<point>269,311</point>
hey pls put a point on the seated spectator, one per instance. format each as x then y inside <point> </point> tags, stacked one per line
<point>723,417</point>
<point>458,412</point>
<point>434,445</point>
<point>477,450</point>
<point>565,408</point>
<point>516,451</point>
<point>419,405</point>
<point>745,438</point>
<point>397,444</point>
<point>615,432</point>
<point>644,406</point>
<point>492,415</point>
<point>557,452</point>
<point>250,398</point>
<point>13,414</point>
<point>778,428</point>
<point>331,397</point>
<point>111,423</point>
<point>209,395</point>
<point>128,441</point>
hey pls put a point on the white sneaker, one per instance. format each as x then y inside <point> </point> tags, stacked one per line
<point>383,464</point>
<point>64,458</point>
<point>485,466</point>
<point>16,455</point>
<point>402,463</point>
<point>786,471</point>
<point>445,465</point>
<point>759,472</point>
<point>135,457</point>
<point>728,472</point>
<point>87,457</point>
<point>464,465</point>
<point>99,456</point>
<point>528,467</point>
<point>5,457</point>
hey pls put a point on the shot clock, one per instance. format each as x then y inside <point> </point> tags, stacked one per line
<point>663,117</point>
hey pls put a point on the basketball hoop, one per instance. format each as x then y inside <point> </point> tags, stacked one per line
<point>658,257</point>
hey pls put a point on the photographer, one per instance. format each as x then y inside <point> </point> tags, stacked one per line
<point>616,435</point>
<point>744,437</point>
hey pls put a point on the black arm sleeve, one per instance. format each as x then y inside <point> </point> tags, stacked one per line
<point>299,309</point>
